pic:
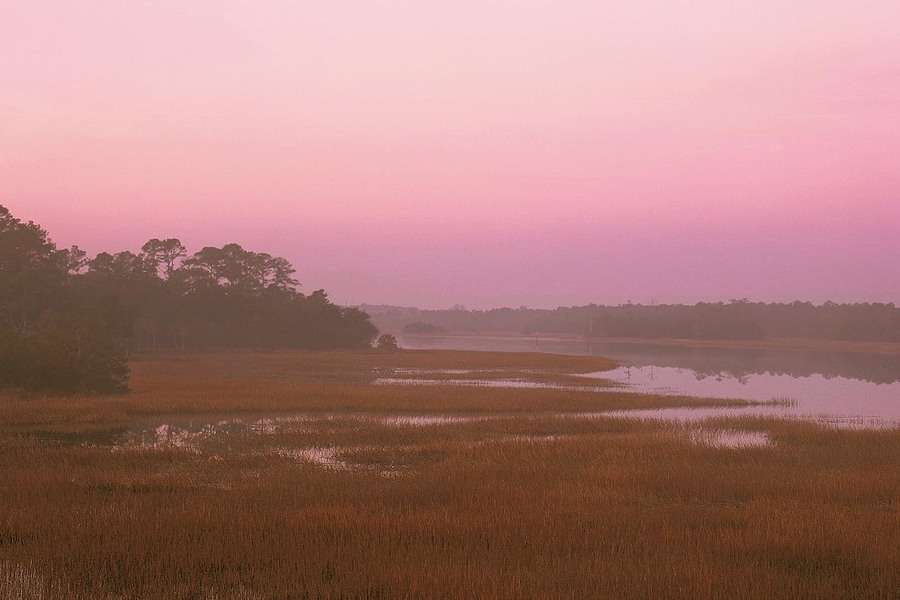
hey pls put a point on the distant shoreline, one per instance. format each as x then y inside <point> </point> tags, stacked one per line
<point>789,344</point>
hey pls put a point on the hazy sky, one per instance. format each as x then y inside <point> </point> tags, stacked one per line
<point>488,153</point>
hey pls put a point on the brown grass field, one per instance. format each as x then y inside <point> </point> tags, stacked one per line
<point>286,475</point>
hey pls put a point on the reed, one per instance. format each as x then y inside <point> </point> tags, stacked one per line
<point>511,498</point>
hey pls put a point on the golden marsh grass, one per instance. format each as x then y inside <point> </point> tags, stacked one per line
<point>202,483</point>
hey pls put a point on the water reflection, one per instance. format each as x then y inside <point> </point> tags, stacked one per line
<point>492,383</point>
<point>852,388</point>
<point>735,363</point>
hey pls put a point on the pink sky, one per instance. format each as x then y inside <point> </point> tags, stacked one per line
<point>487,153</point>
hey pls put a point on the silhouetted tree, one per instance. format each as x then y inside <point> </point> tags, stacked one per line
<point>387,343</point>
<point>735,320</point>
<point>49,337</point>
<point>164,254</point>
<point>65,320</point>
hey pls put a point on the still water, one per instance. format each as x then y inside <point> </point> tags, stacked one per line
<point>849,388</point>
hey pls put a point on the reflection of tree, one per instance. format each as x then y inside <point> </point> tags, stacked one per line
<point>719,376</point>
<point>704,362</point>
<point>739,364</point>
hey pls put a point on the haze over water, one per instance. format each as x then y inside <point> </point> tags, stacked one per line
<point>489,153</point>
<point>843,388</point>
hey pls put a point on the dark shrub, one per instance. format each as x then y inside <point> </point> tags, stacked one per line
<point>387,343</point>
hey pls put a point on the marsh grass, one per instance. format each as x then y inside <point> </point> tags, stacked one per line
<point>520,503</point>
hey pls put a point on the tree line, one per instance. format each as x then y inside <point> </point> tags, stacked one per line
<point>69,322</point>
<point>734,320</point>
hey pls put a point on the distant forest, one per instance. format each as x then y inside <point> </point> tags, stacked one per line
<point>68,322</point>
<point>735,320</point>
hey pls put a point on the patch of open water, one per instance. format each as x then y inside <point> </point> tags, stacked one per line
<point>846,389</point>
<point>491,383</point>
<point>839,400</point>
